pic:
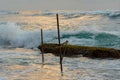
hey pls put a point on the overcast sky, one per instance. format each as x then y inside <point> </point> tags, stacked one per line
<point>84,5</point>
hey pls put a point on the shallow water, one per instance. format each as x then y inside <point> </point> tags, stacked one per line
<point>25,64</point>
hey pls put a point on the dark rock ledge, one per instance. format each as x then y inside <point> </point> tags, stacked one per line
<point>85,51</point>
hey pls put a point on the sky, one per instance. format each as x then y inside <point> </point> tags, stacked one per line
<point>84,5</point>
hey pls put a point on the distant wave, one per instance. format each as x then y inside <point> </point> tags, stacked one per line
<point>90,28</point>
<point>8,12</point>
<point>111,14</point>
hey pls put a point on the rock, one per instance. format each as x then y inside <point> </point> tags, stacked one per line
<point>74,50</point>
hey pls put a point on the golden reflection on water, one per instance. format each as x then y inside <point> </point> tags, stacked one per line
<point>49,21</point>
<point>35,72</point>
<point>80,68</point>
<point>16,69</point>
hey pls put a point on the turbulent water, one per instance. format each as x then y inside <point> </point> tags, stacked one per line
<point>20,37</point>
<point>98,28</point>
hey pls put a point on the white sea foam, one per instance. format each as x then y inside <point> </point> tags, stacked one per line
<point>23,30</point>
<point>21,64</point>
<point>91,28</point>
<point>12,35</point>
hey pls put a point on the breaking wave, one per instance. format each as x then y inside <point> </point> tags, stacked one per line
<point>12,35</point>
<point>96,28</point>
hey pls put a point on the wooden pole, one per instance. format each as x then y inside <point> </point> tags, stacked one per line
<point>61,58</point>
<point>42,46</point>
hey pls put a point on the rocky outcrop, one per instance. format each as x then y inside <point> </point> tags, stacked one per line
<point>74,50</point>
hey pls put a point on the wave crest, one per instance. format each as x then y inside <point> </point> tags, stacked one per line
<point>12,35</point>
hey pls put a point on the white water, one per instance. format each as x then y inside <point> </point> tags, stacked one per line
<point>20,36</point>
<point>12,35</point>
<point>22,29</point>
<point>25,64</point>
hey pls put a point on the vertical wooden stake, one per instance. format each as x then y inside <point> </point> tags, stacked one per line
<point>61,58</point>
<point>42,46</point>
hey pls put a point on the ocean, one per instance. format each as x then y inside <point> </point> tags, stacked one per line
<point>20,59</point>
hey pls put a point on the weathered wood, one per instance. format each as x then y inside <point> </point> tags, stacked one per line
<point>42,50</point>
<point>58,29</point>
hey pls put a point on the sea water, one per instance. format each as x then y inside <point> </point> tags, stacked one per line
<point>20,36</point>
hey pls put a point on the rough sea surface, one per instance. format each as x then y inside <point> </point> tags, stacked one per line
<point>20,36</point>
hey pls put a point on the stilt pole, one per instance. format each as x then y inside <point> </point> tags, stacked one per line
<point>42,51</point>
<point>61,58</point>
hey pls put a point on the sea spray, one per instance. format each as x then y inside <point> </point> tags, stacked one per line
<point>89,28</point>
<point>95,28</point>
<point>12,35</point>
